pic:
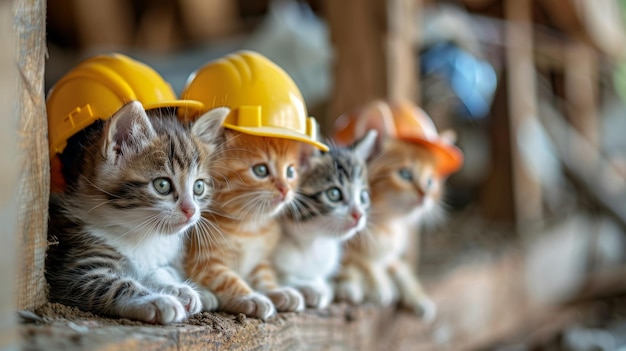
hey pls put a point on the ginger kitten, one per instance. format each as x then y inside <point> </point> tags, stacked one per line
<point>116,234</point>
<point>406,179</point>
<point>403,189</point>
<point>255,179</point>
<point>331,206</point>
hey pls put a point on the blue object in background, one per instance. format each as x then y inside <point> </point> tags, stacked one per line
<point>472,80</point>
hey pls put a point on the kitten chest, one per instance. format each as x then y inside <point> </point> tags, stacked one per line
<point>254,249</point>
<point>390,241</point>
<point>153,253</point>
<point>321,259</point>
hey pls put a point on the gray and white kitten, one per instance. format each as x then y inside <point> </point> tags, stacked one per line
<point>116,233</point>
<point>330,207</point>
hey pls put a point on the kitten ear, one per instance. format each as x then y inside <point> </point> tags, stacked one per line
<point>363,147</point>
<point>209,126</point>
<point>376,115</point>
<point>448,135</point>
<point>129,131</point>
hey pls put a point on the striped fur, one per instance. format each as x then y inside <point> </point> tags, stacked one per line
<point>229,252</point>
<point>330,207</point>
<point>115,241</point>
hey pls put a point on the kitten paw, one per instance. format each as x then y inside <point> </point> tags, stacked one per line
<point>317,297</point>
<point>155,309</point>
<point>187,296</point>
<point>286,299</point>
<point>422,306</point>
<point>209,301</point>
<point>254,305</point>
<point>381,295</point>
<point>350,292</point>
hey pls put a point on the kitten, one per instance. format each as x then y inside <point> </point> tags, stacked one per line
<point>406,176</point>
<point>404,189</point>
<point>116,233</point>
<point>330,207</point>
<point>229,254</point>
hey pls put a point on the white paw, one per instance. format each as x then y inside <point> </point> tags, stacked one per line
<point>422,306</point>
<point>286,299</point>
<point>155,308</point>
<point>349,291</point>
<point>209,300</point>
<point>381,294</point>
<point>254,305</point>
<point>188,297</point>
<point>316,296</point>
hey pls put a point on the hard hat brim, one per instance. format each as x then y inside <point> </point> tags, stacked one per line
<point>448,157</point>
<point>185,107</point>
<point>275,132</point>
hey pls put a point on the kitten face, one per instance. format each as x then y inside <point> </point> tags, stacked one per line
<point>257,175</point>
<point>164,189</point>
<point>403,181</point>
<point>333,194</point>
<point>151,177</point>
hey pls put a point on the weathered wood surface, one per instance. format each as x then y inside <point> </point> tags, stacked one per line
<point>488,297</point>
<point>479,305</point>
<point>32,154</point>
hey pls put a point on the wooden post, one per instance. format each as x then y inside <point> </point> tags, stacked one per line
<point>9,175</point>
<point>105,24</point>
<point>581,94</point>
<point>527,195</point>
<point>32,152</point>
<point>374,51</point>
<point>402,38</point>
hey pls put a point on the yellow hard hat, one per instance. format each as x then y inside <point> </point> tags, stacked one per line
<point>99,86</point>
<point>263,99</point>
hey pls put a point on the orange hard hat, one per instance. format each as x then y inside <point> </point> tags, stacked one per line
<point>400,120</point>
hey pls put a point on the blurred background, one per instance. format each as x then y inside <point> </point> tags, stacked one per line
<point>531,255</point>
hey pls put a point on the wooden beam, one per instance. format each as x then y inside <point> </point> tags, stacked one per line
<point>374,51</point>
<point>581,94</point>
<point>522,107</point>
<point>104,24</point>
<point>32,154</point>
<point>402,39</point>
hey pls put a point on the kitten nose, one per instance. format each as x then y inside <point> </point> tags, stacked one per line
<point>283,190</point>
<point>356,215</point>
<point>188,209</point>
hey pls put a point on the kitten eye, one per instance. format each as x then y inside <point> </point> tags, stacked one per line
<point>334,194</point>
<point>405,174</point>
<point>260,170</point>
<point>162,186</point>
<point>429,183</point>
<point>365,197</point>
<point>198,187</point>
<point>291,172</point>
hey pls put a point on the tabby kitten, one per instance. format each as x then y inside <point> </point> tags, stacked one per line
<point>116,233</point>
<point>404,190</point>
<point>330,207</point>
<point>229,254</point>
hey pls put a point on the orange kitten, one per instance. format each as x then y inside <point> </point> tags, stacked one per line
<point>406,176</point>
<point>255,179</point>
<point>404,188</point>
